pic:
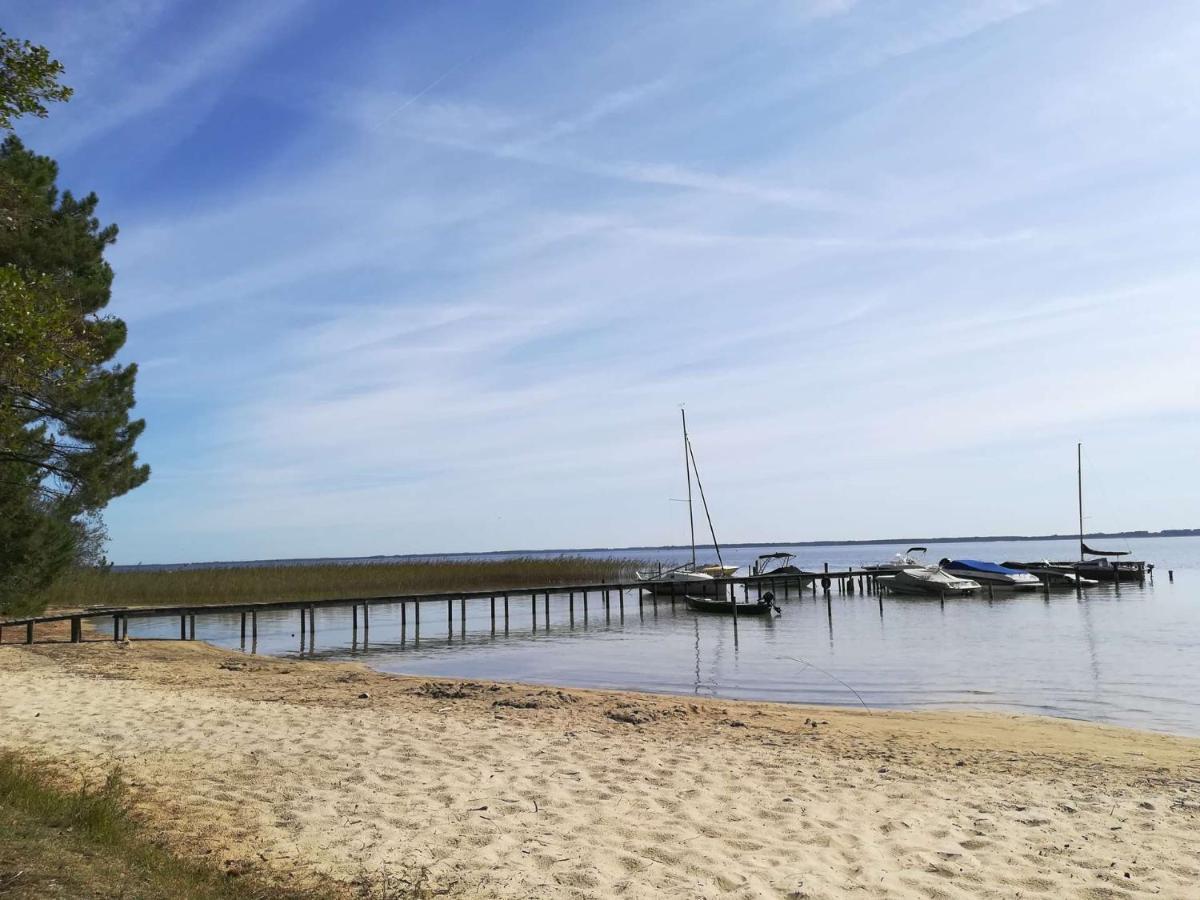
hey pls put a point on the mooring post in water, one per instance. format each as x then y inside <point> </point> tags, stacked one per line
<point>243,629</point>
<point>312,621</point>
<point>354,619</point>
<point>366,620</point>
<point>76,630</point>
<point>533,610</point>
<point>571,605</point>
<point>192,626</point>
<point>1171,576</point>
<point>991,594</point>
<point>303,613</point>
<point>506,613</point>
<point>621,600</point>
<point>585,615</point>
<point>450,615</point>
<point>254,626</point>
<point>546,609</point>
<point>183,627</point>
<point>493,613</point>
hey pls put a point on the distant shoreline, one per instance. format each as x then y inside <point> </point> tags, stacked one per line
<point>909,541</point>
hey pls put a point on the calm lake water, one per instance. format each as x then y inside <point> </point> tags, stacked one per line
<point>1129,656</point>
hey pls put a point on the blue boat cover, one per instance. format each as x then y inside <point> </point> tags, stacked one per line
<point>979,566</point>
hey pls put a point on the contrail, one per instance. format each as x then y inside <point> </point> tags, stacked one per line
<point>429,87</point>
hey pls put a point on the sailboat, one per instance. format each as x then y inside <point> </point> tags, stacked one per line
<point>702,591</point>
<point>687,578</point>
<point>1101,569</point>
<point>1088,571</point>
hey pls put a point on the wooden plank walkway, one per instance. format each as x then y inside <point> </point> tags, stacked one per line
<point>844,579</point>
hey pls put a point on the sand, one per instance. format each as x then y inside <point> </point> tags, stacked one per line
<point>373,783</point>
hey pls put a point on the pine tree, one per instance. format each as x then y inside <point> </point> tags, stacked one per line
<point>66,436</point>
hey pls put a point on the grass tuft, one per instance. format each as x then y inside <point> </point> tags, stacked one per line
<point>57,842</point>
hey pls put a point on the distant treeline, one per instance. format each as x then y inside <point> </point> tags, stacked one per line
<point>908,541</point>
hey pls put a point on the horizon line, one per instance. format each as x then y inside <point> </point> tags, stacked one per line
<point>964,539</point>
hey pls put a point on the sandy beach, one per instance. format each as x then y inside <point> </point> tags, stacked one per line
<point>369,784</point>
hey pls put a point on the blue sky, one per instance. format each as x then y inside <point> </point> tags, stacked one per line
<point>410,277</point>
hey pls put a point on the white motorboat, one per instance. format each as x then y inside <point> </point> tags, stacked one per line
<point>990,573</point>
<point>912,558</point>
<point>929,580</point>
<point>1055,574</point>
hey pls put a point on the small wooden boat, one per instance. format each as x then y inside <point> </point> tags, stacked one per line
<point>710,605</point>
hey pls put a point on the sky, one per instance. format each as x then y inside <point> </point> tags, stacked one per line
<point>437,277</point>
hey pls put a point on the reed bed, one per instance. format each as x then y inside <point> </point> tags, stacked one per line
<point>248,584</point>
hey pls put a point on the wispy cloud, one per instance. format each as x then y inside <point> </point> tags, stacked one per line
<point>459,302</point>
<point>121,78</point>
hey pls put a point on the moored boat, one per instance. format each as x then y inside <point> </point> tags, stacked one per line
<point>689,578</point>
<point>1055,574</point>
<point>929,580</point>
<point>717,570</point>
<point>677,582</point>
<point>776,565</point>
<point>911,558</point>
<point>727,607</point>
<point>989,573</point>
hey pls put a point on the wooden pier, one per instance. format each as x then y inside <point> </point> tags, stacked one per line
<point>503,604</point>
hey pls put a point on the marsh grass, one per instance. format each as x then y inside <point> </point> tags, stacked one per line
<point>58,842</point>
<point>248,584</point>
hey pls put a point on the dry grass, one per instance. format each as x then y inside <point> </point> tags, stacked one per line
<point>248,584</point>
<point>56,842</point>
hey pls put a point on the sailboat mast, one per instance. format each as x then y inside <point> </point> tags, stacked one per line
<point>704,500</point>
<point>1079,478</point>
<point>687,463</point>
